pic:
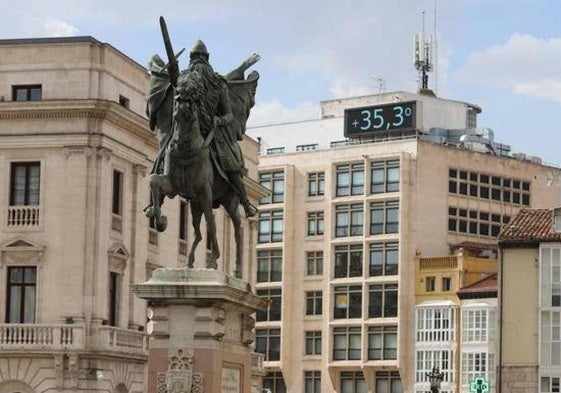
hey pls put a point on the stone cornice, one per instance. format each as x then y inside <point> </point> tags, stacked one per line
<point>198,286</point>
<point>82,109</point>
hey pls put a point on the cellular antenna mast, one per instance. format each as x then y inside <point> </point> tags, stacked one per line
<point>423,58</point>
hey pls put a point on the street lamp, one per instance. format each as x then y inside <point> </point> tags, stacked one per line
<point>435,378</point>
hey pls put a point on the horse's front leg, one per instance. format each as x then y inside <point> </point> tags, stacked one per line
<point>196,213</point>
<point>211,233</point>
<point>154,211</point>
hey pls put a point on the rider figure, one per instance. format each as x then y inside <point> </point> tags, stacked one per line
<point>215,115</point>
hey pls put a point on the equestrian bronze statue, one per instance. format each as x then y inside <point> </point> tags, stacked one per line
<point>198,117</point>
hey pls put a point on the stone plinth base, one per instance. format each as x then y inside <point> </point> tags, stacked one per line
<point>200,332</point>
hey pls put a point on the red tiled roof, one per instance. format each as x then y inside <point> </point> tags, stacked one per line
<point>529,226</point>
<point>486,284</point>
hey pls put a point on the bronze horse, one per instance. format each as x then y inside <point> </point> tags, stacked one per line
<point>189,172</point>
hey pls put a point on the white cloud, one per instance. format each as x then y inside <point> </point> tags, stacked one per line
<point>58,28</point>
<point>275,112</point>
<point>525,65</point>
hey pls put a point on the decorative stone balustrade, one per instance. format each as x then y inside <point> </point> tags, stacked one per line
<point>125,340</point>
<point>38,337</point>
<point>22,217</point>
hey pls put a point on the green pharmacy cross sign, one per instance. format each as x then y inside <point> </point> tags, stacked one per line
<point>479,385</point>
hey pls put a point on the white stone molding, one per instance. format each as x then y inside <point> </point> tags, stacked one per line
<point>19,251</point>
<point>118,257</point>
<point>68,151</point>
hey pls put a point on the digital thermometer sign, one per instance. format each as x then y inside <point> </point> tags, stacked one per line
<point>373,119</point>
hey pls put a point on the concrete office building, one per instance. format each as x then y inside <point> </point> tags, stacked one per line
<point>75,155</point>
<point>339,235</point>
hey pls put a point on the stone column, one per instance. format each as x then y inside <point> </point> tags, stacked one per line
<point>200,331</point>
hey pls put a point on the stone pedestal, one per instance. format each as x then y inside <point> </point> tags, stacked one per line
<point>200,332</point>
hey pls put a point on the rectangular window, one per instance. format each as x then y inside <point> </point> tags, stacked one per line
<point>348,261</point>
<point>274,382</point>
<point>346,343</point>
<point>384,259</point>
<point>478,365</point>
<point>444,360</point>
<point>382,342</point>
<point>117,204</point>
<point>446,284</point>
<point>384,176</point>
<point>183,226</point>
<point>388,382</point>
<point>273,181</point>
<point>475,222</point>
<point>314,303</point>
<point>183,220</point>
<point>270,226</point>
<point>312,382</point>
<point>348,302</point>
<point>313,343</point>
<point>24,183</point>
<point>267,342</point>
<point>430,284</point>
<point>269,265</point>
<point>22,294</point>
<point>436,324</point>
<point>273,311</point>
<point>549,384</point>
<point>27,93</point>
<point>384,217</point>
<point>349,220</point>
<point>483,186</point>
<point>114,290</point>
<point>353,382</point>
<point>350,179</point>
<point>316,184</point>
<point>314,261</point>
<point>315,223</point>
<point>383,301</point>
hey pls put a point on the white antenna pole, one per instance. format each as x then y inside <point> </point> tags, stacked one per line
<point>435,53</point>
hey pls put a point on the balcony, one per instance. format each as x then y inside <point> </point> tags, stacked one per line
<point>122,340</point>
<point>23,217</point>
<point>40,337</point>
<point>446,262</point>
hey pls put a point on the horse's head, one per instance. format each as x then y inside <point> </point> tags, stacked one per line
<point>188,96</point>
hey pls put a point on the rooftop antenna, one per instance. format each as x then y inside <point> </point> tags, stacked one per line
<point>381,84</point>
<point>423,58</point>
<point>435,51</point>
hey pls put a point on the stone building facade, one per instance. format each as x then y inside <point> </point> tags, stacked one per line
<point>75,155</point>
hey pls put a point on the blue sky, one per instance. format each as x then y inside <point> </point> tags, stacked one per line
<point>504,56</point>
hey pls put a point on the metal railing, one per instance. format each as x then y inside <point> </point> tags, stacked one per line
<point>447,262</point>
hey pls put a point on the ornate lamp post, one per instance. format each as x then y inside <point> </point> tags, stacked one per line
<point>435,378</point>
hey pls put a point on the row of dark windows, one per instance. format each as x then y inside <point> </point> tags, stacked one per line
<point>347,345</point>
<point>383,261</point>
<point>347,304</point>
<point>349,382</point>
<point>484,186</point>
<point>349,180</point>
<point>475,222</point>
